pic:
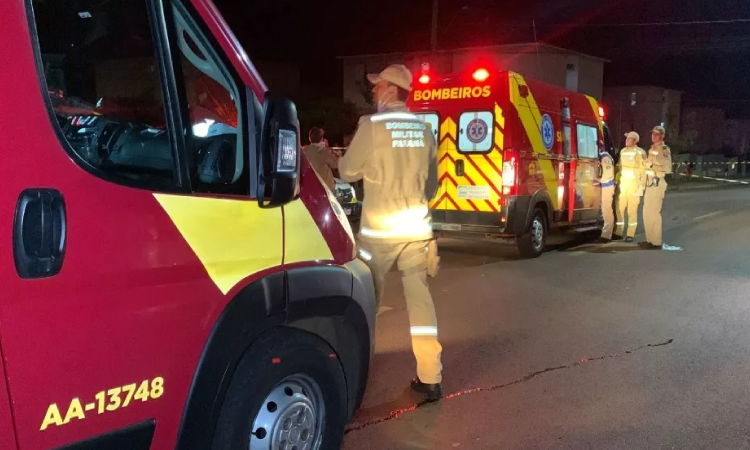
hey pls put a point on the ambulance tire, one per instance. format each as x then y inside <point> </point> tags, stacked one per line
<point>531,244</point>
<point>286,375</point>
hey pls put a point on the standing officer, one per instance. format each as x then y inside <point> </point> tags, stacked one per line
<point>659,164</point>
<point>632,184</point>
<point>321,157</point>
<point>396,155</point>
<point>607,183</point>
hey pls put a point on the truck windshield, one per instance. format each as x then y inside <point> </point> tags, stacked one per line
<point>104,85</point>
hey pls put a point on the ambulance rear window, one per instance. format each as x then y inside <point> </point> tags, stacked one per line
<point>475,132</point>
<point>433,120</point>
<point>588,141</point>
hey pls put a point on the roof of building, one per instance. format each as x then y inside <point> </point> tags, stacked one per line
<point>639,86</point>
<point>506,48</point>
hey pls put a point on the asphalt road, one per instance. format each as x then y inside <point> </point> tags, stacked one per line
<point>587,347</point>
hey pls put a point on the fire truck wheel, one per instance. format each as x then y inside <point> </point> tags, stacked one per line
<point>531,244</point>
<point>288,392</point>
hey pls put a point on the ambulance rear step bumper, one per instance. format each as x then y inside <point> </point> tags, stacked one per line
<point>475,236</point>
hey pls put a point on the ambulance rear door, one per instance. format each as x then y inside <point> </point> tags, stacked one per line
<point>586,198</point>
<point>477,166</point>
<point>432,119</point>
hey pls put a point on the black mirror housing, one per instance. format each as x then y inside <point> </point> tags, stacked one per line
<point>279,162</point>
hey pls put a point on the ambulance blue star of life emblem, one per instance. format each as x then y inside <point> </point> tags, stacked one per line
<point>548,132</point>
<point>477,130</point>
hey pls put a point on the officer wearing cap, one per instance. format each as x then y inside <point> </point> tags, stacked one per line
<point>632,184</point>
<point>607,184</point>
<point>321,157</point>
<point>658,164</point>
<point>396,155</point>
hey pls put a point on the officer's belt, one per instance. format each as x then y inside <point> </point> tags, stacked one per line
<point>608,183</point>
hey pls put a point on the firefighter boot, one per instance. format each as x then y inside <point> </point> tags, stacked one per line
<point>433,392</point>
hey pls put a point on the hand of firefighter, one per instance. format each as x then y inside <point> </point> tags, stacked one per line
<point>648,163</point>
<point>433,260</point>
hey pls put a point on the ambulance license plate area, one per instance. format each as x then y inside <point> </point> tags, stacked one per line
<point>447,226</point>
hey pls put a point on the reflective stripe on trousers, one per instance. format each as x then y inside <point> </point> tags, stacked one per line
<point>627,204</point>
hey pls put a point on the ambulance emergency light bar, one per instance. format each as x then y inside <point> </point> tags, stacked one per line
<point>481,75</point>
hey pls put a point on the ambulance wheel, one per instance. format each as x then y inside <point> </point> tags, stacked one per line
<point>531,244</point>
<point>287,392</point>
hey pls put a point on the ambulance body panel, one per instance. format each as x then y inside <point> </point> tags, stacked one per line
<point>509,146</point>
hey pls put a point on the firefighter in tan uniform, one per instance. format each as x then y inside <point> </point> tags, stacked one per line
<point>658,165</point>
<point>632,185</point>
<point>396,155</point>
<point>607,184</point>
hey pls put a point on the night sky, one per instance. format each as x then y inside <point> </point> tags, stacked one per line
<point>710,62</point>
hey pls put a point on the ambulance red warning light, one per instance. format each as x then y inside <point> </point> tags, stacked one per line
<point>481,75</point>
<point>601,112</point>
<point>424,79</point>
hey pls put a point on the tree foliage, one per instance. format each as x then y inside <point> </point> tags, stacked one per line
<point>684,143</point>
<point>337,117</point>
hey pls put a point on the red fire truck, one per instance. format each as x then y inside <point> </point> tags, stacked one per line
<point>174,274</point>
<point>517,156</point>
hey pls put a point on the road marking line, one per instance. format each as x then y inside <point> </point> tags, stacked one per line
<point>707,216</point>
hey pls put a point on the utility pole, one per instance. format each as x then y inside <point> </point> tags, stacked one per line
<point>434,34</point>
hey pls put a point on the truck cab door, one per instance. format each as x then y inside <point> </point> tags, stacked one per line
<point>131,233</point>
<point>7,432</point>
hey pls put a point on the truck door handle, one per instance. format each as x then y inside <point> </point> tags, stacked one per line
<point>460,168</point>
<point>39,233</point>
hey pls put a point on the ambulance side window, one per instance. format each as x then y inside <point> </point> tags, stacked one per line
<point>433,120</point>
<point>588,141</point>
<point>105,90</point>
<point>214,102</point>
<point>476,132</point>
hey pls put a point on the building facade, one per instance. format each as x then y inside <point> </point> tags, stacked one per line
<point>640,109</point>
<point>708,127</point>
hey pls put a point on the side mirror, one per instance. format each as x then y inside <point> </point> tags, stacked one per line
<point>278,165</point>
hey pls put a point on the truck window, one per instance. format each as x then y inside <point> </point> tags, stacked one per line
<point>213,102</point>
<point>588,141</point>
<point>103,81</point>
<point>476,132</point>
<point>433,120</point>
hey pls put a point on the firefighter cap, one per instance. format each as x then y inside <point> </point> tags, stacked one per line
<point>659,130</point>
<point>397,74</point>
<point>633,135</point>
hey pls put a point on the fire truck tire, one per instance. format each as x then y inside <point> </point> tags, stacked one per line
<point>288,391</point>
<point>531,244</point>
